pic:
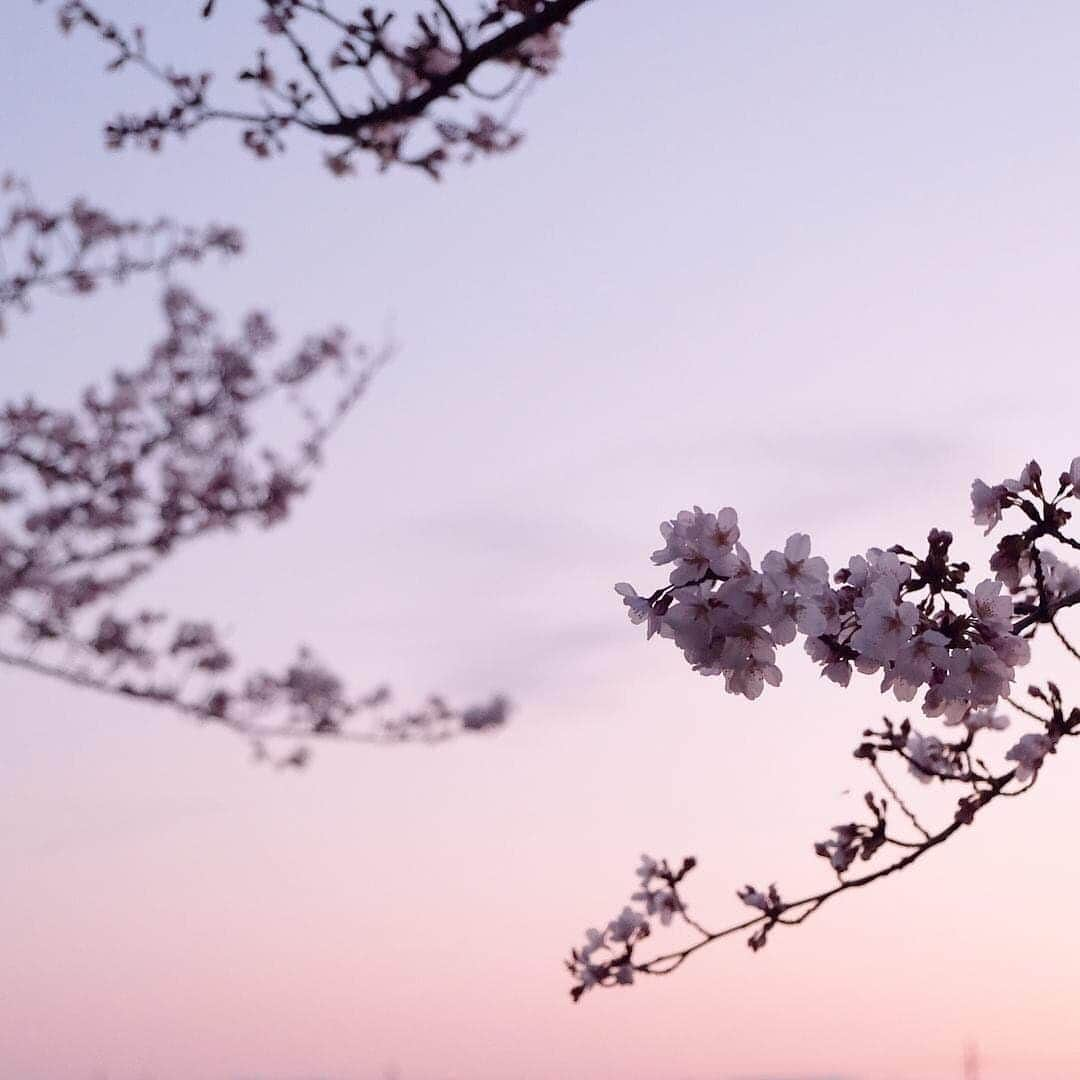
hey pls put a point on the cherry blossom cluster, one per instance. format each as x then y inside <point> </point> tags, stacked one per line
<point>93,498</point>
<point>369,82</point>
<point>912,619</point>
<point>607,955</point>
<point>74,248</point>
<point>909,618</point>
<point>1017,563</point>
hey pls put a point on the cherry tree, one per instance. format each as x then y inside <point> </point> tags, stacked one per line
<point>914,620</point>
<point>364,82</point>
<point>94,498</point>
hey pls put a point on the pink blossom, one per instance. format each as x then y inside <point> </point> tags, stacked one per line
<point>990,608</point>
<point>987,503</point>
<point>795,568</point>
<point>1028,754</point>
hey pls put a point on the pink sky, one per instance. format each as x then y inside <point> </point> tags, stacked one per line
<point>817,262</point>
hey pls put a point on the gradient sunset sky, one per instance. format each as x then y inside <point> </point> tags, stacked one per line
<point>817,261</point>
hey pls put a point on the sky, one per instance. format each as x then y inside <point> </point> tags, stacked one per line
<point>814,261</point>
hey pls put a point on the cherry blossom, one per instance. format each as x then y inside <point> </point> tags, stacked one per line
<point>796,569</point>
<point>640,608</point>
<point>987,503</point>
<point>888,613</point>
<point>993,611</point>
<point>625,925</point>
<point>74,248</point>
<point>755,898</point>
<point>980,719</point>
<point>910,617</point>
<point>916,663</point>
<point>413,91</point>
<point>885,625</point>
<point>928,757</point>
<point>196,440</point>
<point>1061,578</point>
<point>1028,754</point>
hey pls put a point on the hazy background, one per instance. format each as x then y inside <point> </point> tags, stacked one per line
<point>817,261</point>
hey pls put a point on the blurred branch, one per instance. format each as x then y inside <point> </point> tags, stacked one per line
<point>427,67</point>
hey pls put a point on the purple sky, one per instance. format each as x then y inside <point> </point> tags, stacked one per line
<point>816,261</point>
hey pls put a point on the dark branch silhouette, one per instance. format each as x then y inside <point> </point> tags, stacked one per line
<point>410,95</point>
